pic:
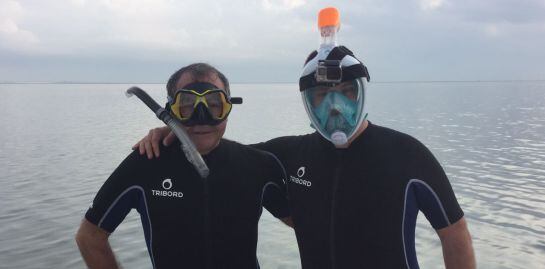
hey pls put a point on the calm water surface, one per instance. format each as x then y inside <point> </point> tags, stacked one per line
<point>60,142</point>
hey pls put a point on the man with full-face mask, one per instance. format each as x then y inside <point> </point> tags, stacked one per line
<point>356,188</point>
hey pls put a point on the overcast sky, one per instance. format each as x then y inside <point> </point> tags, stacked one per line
<point>268,40</point>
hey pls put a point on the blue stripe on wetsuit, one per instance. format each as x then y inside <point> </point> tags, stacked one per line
<point>132,197</point>
<point>420,196</point>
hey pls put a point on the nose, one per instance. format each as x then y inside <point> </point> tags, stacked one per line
<point>334,112</point>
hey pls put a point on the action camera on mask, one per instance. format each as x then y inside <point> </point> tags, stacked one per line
<point>329,71</point>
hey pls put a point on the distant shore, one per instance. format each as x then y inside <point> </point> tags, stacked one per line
<point>236,82</point>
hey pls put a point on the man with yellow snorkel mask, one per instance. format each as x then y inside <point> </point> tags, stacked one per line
<point>190,221</point>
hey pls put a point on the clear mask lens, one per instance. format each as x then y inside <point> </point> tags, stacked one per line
<point>186,103</point>
<point>336,111</point>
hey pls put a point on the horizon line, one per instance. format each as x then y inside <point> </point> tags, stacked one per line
<point>265,82</point>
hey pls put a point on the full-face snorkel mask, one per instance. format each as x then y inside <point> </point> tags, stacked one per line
<point>333,91</point>
<point>334,84</point>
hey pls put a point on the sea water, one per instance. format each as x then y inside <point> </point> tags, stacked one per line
<point>59,143</point>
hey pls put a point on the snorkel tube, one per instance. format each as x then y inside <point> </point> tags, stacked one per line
<point>329,23</point>
<point>188,147</point>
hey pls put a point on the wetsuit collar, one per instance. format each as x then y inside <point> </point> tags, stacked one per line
<point>210,156</point>
<point>215,152</point>
<point>362,137</point>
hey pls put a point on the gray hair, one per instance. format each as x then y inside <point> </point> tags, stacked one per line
<point>197,71</point>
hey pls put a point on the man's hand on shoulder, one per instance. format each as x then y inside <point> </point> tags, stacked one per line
<point>149,145</point>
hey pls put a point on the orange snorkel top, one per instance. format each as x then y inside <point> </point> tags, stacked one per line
<point>329,23</point>
<point>328,16</point>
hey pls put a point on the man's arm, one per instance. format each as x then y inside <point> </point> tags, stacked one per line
<point>436,199</point>
<point>457,247</point>
<point>94,247</point>
<point>115,199</point>
<point>274,196</point>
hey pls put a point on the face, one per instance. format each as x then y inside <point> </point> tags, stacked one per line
<point>205,137</point>
<point>334,109</point>
<point>346,88</point>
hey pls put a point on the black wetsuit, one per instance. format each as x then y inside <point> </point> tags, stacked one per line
<point>189,222</point>
<point>357,207</point>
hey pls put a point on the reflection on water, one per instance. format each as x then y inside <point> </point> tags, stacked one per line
<point>60,142</point>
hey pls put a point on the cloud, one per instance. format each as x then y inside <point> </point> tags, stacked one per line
<point>282,4</point>
<point>491,30</point>
<point>511,11</point>
<point>162,27</point>
<point>11,34</point>
<point>431,4</point>
<point>258,38</point>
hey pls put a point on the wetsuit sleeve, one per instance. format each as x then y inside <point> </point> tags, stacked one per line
<point>432,189</point>
<point>274,192</point>
<point>118,195</point>
<point>278,146</point>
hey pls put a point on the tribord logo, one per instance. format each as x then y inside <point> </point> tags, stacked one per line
<point>298,180</point>
<point>301,171</point>
<point>167,185</point>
